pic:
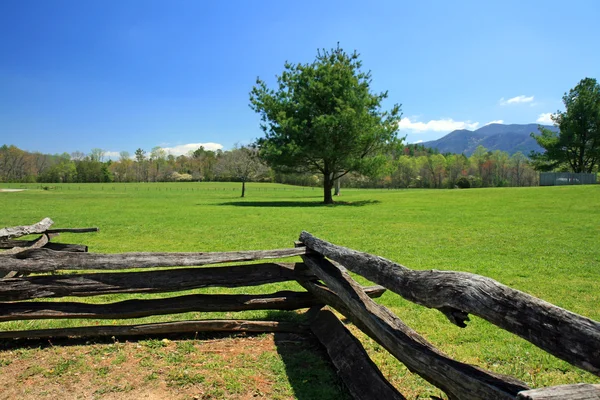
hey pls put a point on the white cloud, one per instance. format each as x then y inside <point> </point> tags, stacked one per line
<point>498,121</point>
<point>186,148</point>
<point>418,141</point>
<point>112,155</point>
<point>439,125</point>
<point>516,100</point>
<point>545,119</point>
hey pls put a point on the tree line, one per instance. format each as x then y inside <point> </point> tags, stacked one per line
<point>238,164</point>
<point>415,166</point>
<point>410,166</point>
<point>323,125</point>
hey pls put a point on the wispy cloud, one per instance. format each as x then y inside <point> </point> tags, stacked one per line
<point>516,100</point>
<point>498,121</point>
<point>186,148</point>
<point>436,125</point>
<point>545,119</point>
<point>418,141</point>
<point>112,155</point>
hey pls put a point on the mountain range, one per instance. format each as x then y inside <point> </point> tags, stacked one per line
<point>509,138</point>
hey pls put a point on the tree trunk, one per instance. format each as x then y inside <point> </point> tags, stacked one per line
<point>243,187</point>
<point>337,187</point>
<point>327,186</point>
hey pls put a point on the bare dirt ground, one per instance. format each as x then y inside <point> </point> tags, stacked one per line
<point>223,368</point>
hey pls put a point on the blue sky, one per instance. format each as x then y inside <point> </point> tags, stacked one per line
<point>119,75</point>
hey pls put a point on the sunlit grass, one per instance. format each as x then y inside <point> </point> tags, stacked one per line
<point>544,241</point>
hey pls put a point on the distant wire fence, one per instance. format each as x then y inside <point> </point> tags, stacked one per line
<point>567,178</point>
<point>546,179</point>
<point>150,188</point>
<point>167,187</point>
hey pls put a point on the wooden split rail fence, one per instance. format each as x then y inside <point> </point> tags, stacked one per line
<point>25,264</point>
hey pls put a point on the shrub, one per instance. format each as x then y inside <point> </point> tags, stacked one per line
<point>475,181</point>
<point>463,183</point>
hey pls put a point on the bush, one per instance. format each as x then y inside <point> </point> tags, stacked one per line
<point>177,177</point>
<point>475,181</point>
<point>463,183</point>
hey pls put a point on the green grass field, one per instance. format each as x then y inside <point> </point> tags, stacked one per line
<point>544,241</point>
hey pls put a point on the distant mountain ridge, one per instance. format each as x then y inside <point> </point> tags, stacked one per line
<point>509,138</point>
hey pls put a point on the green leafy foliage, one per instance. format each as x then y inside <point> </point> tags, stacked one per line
<point>323,118</point>
<point>577,146</point>
<point>463,183</point>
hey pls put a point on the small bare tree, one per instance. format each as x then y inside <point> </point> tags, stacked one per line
<point>241,163</point>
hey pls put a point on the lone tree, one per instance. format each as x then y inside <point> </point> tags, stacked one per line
<point>577,144</point>
<point>323,118</point>
<point>241,163</point>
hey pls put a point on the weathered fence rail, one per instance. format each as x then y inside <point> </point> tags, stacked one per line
<point>323,273</point>
<point>572,337</point>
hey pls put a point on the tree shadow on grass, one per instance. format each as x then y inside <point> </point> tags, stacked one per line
<point>308,368</point>
<point>300,204</point>
<point>307,364</point>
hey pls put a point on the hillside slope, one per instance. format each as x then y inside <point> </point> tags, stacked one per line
<point>509,138</point>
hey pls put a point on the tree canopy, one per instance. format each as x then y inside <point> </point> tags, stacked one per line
<point>577,144</point>
<point>323,118</point>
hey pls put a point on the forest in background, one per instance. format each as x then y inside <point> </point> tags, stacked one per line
<point>412,166</point>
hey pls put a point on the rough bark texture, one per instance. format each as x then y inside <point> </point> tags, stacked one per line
<point>284,300</point>
<point>34,244</point>
<point>45,260</point>
<point>580,391</point>
<point>159,329</point>
<point>360,375</point>
<point>18,231</point>
<point>569,336</point>
<point>9,244</point>
<point>91,284</point>
<point>458,380</point>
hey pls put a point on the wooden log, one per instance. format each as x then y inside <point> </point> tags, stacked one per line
<point>159,329</point>
<point>18,231</point>
<point>73,230</point>
<point>34,244</point>
<point>327,296</point>
<point>581,391</point>
<point>136,308</point>
<point>360,375</point>
<point>74,248</point>
<point>45,260</point>
<point>456,379</point>
<point>92,284</point>
<point>8,244</point>
<point>569,336</point>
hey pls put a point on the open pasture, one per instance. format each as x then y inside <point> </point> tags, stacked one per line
<point>543,241</point>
